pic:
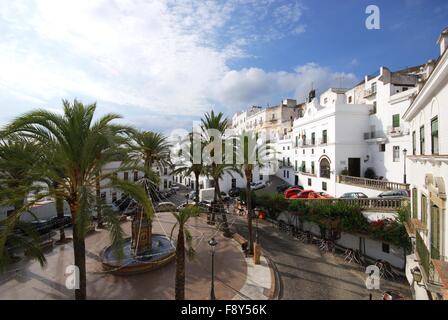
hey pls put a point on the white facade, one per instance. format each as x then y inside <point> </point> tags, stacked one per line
<point>329,139</point>
<point>428,175</point>
<point>387,135</point>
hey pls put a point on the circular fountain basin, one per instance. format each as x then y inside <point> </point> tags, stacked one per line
<point>162,253</point>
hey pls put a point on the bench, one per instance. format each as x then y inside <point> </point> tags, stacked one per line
<point>241,240</point>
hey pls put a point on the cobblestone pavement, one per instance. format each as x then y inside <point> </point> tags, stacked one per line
<point>307,273</point>
<point>27,280</point>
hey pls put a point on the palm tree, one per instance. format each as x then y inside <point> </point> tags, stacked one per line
<point>76,138</point>
<point>19,162</point>
<point>217,172</point>
<point>188,166</point>
<point>183,235</point>
<point>152,148</point>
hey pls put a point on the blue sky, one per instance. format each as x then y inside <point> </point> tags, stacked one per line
<point>162,63</point>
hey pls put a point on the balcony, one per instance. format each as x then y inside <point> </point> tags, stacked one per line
<point>371,183</point>
<point>369,92</point>
<point>374,136</point>
<point>303,143</point>
<point>397,131</point>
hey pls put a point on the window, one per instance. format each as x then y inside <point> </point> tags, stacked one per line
<point>373,87</point>
<point>435,232</point>
<point>165,171</point>
<point>414,143</point>
<point>396,153</point>
<point>422,140</point>
<point>284,173</point>
<point>287,174</point>
<point>289,162</point>
<point>374,107</point>
<point>414,203</point>
<point>325,168</point>
<point>114,197</point>
<point>325,100</point>
<point>261,177</point>
<point>350,99</point>
<point>303,167</point>
<point>382,147</point>
<point>396,120</point>
<point>135,175</point>
<point>313,138</point>
<point>324,186</point>
<point>103,196</point>
<point>295,165</point>
<point>312,167</point>
<point>297,141</point>
<point>126,176</point>
<point>165,184</point>
<point>386,247</point>
<point>435,136</point>
<point>424,209</point>
<point>324,136</point>
<point>283,161</point>
<point>309,182</point>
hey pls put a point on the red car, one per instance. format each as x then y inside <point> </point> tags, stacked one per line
<point>289,193</point>
<point>309,194</point>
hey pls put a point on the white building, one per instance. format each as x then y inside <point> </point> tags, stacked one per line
<point>428,175</point>
<point>387,135</point>
<point>328,139</point>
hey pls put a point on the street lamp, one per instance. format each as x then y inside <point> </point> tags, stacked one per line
<point>212,243</point>
<point>404,169</point>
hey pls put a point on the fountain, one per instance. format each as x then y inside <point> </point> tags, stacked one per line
<point>143,251</point>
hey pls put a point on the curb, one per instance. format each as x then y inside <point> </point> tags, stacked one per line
<point>276,288</point>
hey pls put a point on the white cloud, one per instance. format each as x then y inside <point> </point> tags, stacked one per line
<point>160,57</point>
<point>254,86</point>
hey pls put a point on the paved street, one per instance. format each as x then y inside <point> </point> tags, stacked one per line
<point>306,273</point>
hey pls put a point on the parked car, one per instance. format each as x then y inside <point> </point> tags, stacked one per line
<point>234,192</point>
<point>67,221</point>
<point>175,187</point>
<point>394,194</point>
<point>192,195</point>
<point>41,226</point>
<point>165,206</point>
<point>185,205</point>
<point>305,194</point>
<point>292,192</point>
<point>320,195</point>
<point>206,204</point>
<point>257,185</point>
<point>353,195</point>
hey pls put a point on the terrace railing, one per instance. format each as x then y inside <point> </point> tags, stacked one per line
<point>372,183</point>
<point>366,204</point>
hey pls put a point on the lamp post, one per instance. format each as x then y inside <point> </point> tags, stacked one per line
<point>404,169</point>
<point>212,243</point>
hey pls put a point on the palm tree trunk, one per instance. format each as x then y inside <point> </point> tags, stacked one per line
<point>79,248</point>
<point>60,214</point>
<point>225,225</point>
<point>196,185</point>
<point>99,215</point>
<point>248,173</point>
<point>180,265</point>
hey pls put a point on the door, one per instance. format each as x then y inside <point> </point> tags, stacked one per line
<point>296,180</point>
<point>354,167</point>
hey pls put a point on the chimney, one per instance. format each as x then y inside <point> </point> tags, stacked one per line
<point>443,41</point>
<point>311,95</point>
